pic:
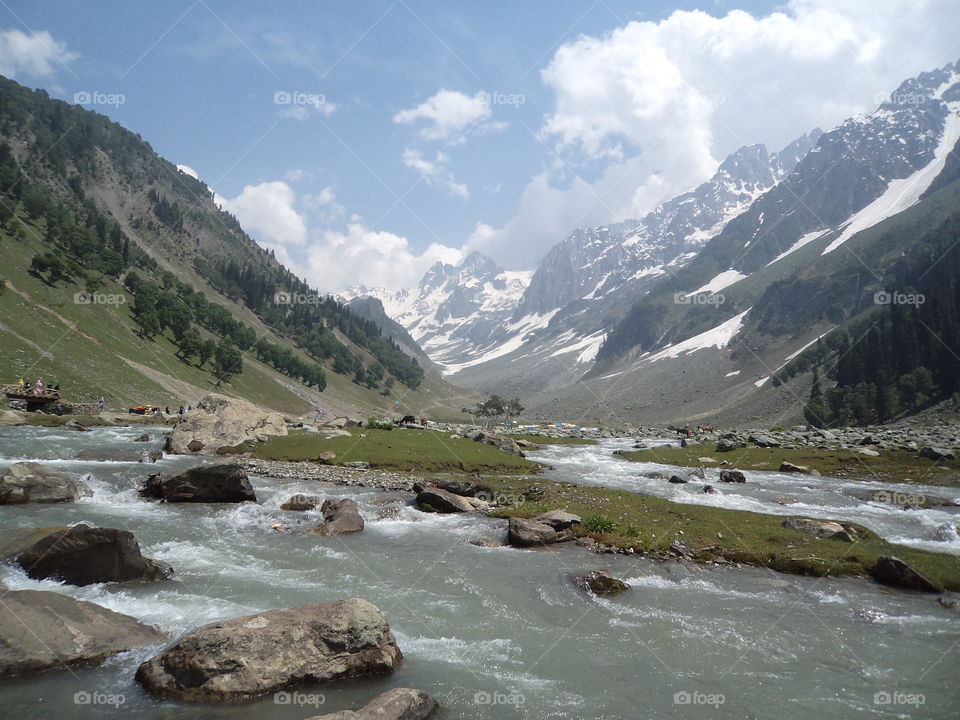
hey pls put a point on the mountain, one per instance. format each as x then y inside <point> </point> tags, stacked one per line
<point>123,279</point>
<point>460,315</point>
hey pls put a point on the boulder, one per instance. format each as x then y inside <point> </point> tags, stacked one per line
<point>339,518</point>
<point>466,488</point>
<point>357,465</point>
<point>728,444</point>
<point>256,654</point>
<point>437,500</point>
<point>31,482</point>
<point>818,528</point>
<point>732,476</point>
<point>892,571</point>
<point>396,704</point>
<point>219,421</point>
<point>83,555</point>
<point>301,503</point>
<point>764,441</point>
<point>525,533</point>
<point>709,490</point>
<point>222,482</point>
<point>49,631</point>
<point>601,582</point>
<point>788,467</point>
<point>936,453</point>
<point>327,457</point>
<point>143,438</point>
<point>558,519</point>
<point>678,480</point>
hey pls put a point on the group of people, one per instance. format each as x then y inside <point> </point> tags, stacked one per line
<point>38,388</point>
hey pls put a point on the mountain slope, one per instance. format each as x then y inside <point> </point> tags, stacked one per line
<point>88,207</point>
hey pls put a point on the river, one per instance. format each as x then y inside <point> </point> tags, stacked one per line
<point>499,632</point>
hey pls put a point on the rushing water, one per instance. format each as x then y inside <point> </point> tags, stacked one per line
<point>498,632</point>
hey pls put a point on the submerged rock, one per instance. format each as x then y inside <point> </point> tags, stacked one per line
<point>396,704</point>
<point>49,631</point>
<point>601,582</point>
<point>83,555</point>
<point>221,421</point>
<point>301,503</point>
<point>788,467</point>
<point>256,654</point>
<point>222,482</point>
<point>32,482</point>
<point>340,517</point>
<point>895,572</point>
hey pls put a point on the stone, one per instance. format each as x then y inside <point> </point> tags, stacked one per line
<point>357,465</point>
<point>42,631</point>
<point>250,656</point>
<point>709,490</point>
<point>327,457</point>
<point>32,482</point>
<point>892,571</point>
<point>301,503</point>
<point>442,501</point>
<point>818,528</point>
<point>396,704</point>
<point>601,582</point>
<point>558,519</point>
<point>676,479</point>
<point>143,438</point>
<point>937,453</point>
<point>732,476</point>
<point>221,482</point>
<point>465,488</point>
<point>83,555</point>
<point>788,467</point>
<point>340,517</point>
<point>219,421</point>
<point>764,441</point>
<point>869,452</point>
<point>727,445</point>
<point>525,533</point>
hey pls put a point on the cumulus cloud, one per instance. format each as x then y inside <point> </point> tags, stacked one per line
<point>297,175</point>
<point>336,260</point>
<point>33,55</point>
<point>448,114</point>
<point>267,211</point>
<point>658,104</point>
<point>325,204</point>
<point>434,171</point>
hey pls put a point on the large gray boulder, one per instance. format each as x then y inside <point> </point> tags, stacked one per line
<point>896,573</point>
<point>340,517</point>
<point>31,482</point>
<point>82,555</point>
<point>466,488</point>
<point>396,704</point>
<point>222,482</point>
<point>936,453</point>
<point>558,519</point>
<point>46,631</point>
<point>437,500</point>
<point>256,654</point>
<point>732,476</point>
<point>220,421</point>
<point>818,528</point>
<point>601,582</point>
<point>524,533</point>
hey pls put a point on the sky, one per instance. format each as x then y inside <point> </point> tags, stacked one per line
<point>365,141</point>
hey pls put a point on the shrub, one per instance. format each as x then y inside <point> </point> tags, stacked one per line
<point>378,424</point>
<point>600,524</point>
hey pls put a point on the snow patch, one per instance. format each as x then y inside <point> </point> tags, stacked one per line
<point>724,279</point>
<point>718,337</point>
<point>805,240</point>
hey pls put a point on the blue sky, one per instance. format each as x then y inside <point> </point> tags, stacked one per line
<point>418,129</point>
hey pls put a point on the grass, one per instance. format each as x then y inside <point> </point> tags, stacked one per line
<point>421,451</point>
<point>543,440</point>
<point>648,524</point>
<point>889,466</point>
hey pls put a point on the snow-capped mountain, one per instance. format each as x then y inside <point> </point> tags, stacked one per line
<point>459,315</point>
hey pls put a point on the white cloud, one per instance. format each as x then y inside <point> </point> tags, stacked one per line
<point>434,171</point>
<point>658,104</point>
<point>448,113</point>
<point>33,55</point>
<point>336,260</point>
<point>267,212</point>
<point>297,175</point>
<point>325,204</point>
<point>187,170</point>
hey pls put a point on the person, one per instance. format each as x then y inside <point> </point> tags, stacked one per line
<point>21,383</point>
<point>101,403</point>
<point>181,409</point>
<point>39,387</point>
<point>166,410</point>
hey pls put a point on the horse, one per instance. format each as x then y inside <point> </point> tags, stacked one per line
<point>705,428</point>
<point>406,419</point>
